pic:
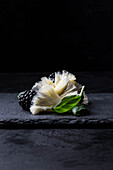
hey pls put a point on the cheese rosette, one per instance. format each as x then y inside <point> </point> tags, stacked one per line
<point>51,91</point>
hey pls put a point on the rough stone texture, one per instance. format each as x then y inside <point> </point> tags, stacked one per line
<point>56,149</point>
<point>101,114</point>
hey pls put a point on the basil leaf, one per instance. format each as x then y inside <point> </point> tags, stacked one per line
<point>67,103</point>
<point>80,110</point>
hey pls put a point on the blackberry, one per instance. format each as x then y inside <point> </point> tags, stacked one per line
<point>25,98</point>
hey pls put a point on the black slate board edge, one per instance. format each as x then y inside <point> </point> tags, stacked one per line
<point>13,117</point>
<point>63,124</point>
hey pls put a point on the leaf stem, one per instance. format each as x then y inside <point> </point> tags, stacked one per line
<point>82,90</point>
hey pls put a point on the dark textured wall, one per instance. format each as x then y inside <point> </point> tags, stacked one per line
<point>39,35</point>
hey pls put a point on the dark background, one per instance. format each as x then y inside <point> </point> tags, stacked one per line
<point>38,35</point>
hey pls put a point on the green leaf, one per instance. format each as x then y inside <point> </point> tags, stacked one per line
<point>67,103</point>
<point>80,110</point>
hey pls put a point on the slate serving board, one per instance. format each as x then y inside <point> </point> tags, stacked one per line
<point>101,114</point>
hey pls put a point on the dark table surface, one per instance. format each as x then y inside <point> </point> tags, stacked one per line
<point>53,149</point>
<point>32,149</point>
